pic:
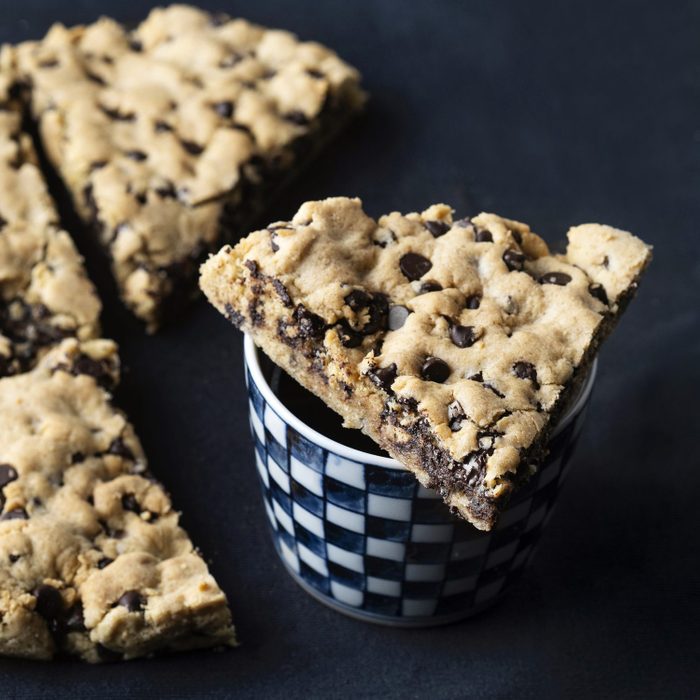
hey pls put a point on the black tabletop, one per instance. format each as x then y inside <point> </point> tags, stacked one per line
<point>551,113</point>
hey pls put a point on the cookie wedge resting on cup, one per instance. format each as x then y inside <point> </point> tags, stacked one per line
<point>454,343</point>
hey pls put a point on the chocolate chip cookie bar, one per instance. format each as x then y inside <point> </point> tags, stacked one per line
<point>93,562</point>
<point>454,344</point>
<point>171,136</point>
<point>45,295</point>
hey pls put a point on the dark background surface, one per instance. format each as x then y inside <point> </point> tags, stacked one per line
<point>552,113</point>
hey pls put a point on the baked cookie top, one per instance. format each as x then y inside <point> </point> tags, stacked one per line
<point>472,322</point>
<point>92,559</point>
<point>45,294</point>
<point>155,129</point>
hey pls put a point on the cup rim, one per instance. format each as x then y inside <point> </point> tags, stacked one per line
<point>251,356</point>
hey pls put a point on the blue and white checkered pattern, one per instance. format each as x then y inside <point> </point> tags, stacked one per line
<point>373,542</point>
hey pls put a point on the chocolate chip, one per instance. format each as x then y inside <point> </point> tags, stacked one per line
<point>383,377</point>
<point>75,620</point>
<point>309,324</point>
<point>397,316</point>
<point>377,306</point>
<point>430,286</point>
<point>84,364</point>
<point>130,503</point>
<point>475,466</point>
<point>132,601</point>
<point>49,602</point>
<point>388,236</point>
<point>105,561</point>
<point>514,260</point>
<point>296,117</point>
<point>254,268</point>
<point>437,228</point>
<point>13,558</point>
<point>357,299</point>
<point>77,458</point>
<point>166,190</point>
<point>463,336</point>
<point>483,236</point>
<point>273,242</point>
<point>282,293</point>
<point>478,377</point>
<point>135,45</point>
<point>191,147</point>
<point>455,415</point>
<point>7,474</point>
<point>136,155</point>
<point>378,313</point>
<point>94,77</point>
<point>16,514</point>
<point>435,370</point>
<point>598,291</point>
<point>414,266</point>
<point>230,61</point>
<point>493,389</point>
<point>511,306</point>
<point>120,448</point>
<point>234,316</point>
<point>349,337</point>
<point>466,222</point>
<point>224,108</point>
<point>116,115</point>
<point>473,302</point>
<point>526,370</point>
<point>560,278</point>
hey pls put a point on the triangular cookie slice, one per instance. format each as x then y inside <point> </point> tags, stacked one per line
<point>93,562</point>
<point>454,344</point>
<point>45,295</point>
<point>171,136</point>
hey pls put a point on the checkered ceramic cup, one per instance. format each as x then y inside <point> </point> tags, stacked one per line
<point>358,532</point>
